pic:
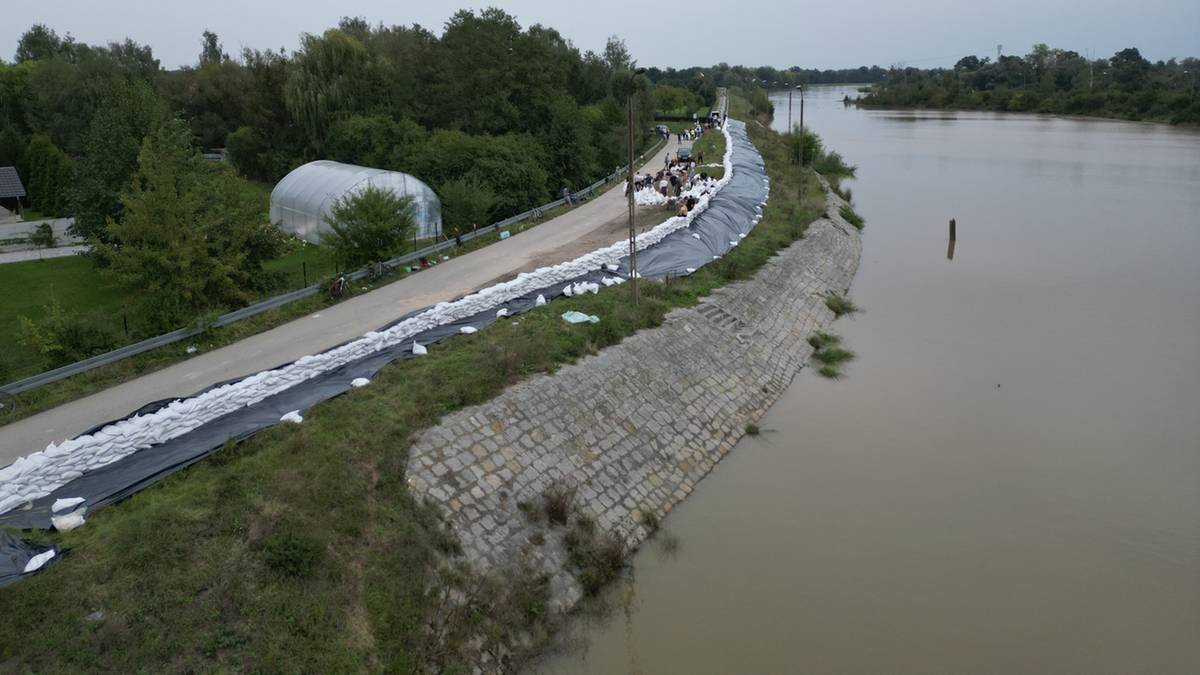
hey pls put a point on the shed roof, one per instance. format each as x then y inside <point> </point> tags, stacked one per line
<point>10,183</point>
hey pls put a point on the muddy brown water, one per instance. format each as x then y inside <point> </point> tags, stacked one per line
<point>1008,478</point>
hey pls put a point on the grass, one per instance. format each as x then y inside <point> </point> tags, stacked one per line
<point>30,287</point>
<point>831,372</point>
<point>829,354</point>
<point>301,549</point>
<point>596,558</point>
<point>852,217</point>
<point>840,305</point>
<point>557,502</point>
<point>712,144</point>
<point>821,339</point>
<point>752,429</point>
<point>16,363</point>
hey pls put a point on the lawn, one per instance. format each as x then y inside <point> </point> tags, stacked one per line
<point>301,548</point>
<point>29,288</point>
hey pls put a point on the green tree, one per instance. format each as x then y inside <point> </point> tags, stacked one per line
<point>466,202</point>
<point>332,76</point>
<point>375,141</point>
<point>210,50</point>
<point>369,225</point>
<point>191,236</point>
<point>40,42</point>
<point>50,173</point>
<point>43,236</point>
<point>110,157</point>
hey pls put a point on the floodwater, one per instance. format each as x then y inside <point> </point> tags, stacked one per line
<point>1008,479</point>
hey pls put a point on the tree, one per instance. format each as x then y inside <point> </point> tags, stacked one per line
<point>616,55</point>
<point>332,76</point>
<point>110,157</point>
<point>50,172</point>
<point>43,236</point>
<point>466,202</point>
<point>40,42</point>
<point>373,141</point>
<point>210,50</point>
<point>191,236</point>
<point>369,225</point>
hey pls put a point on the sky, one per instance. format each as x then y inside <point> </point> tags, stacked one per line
<point>841,34</point>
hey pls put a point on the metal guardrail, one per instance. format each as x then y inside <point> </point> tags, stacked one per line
<point>34,381</point>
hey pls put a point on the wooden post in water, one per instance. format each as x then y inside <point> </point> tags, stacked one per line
<point>953,236</point>
<point>950,245</point>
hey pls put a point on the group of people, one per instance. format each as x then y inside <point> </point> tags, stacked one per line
<point>677,184</point>
<point>690,134</point>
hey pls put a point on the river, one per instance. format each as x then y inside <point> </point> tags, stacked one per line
<point>1008,478</point>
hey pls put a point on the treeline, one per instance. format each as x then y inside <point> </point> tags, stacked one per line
<point>1124,86</point>
<point>692,89</point>
<point>705,80</point>
<point>520,111</point>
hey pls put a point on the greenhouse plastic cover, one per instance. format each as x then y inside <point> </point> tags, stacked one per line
<point>304,198</point>
<point>119,458</point>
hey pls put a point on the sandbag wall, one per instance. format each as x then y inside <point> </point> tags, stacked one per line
<point>119,458</point>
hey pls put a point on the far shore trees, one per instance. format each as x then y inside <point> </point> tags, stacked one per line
<point>370,225</point>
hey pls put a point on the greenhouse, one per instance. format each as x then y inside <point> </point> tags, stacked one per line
<point>303,199</point>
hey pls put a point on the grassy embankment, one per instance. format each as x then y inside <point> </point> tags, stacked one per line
<point>79,287</point>
<point>301,548</point>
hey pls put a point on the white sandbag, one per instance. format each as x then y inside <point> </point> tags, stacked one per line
<point>294,417</point>
<point>69,521</point>
<point>467,330</point>
<point>67,504</point>
<point>419,350</point>
<point>541,300</point>
<point>35,563</point>
<point>359,382</point>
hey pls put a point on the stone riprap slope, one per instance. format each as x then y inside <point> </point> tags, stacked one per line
<point>634,428</point>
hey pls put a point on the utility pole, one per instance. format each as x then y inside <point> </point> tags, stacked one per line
<point>801,191</point>
<point>789,109</point>
<point>633,289</point>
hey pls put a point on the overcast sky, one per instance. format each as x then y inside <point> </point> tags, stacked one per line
<point>837,34</point>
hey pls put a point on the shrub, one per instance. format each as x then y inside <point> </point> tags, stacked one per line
<point>752,429</point>
<point>466,202</point>
<point>557,501</point>
<point>62,338</point>
<point>852,217</point>
<point>291,554</point>
<point>821,339</point>
<point>833,355</point>
<point>369,225</point>
<point>840,305</point>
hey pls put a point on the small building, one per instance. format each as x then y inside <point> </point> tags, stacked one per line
<point>305,197</point>
<point>11,191</point>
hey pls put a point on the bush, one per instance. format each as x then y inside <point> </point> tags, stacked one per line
<point>61,339</point>
<point>466,202</point>
<point>370,225</point>
<point>852,217</point>
<point>840,305</point>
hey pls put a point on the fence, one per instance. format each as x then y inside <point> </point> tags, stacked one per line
<point>157,341</point>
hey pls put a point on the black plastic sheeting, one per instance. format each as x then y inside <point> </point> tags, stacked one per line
<point>15,554</point>
<point>730,215</point>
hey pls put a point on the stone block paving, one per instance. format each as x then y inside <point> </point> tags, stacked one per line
<point>636,427</point>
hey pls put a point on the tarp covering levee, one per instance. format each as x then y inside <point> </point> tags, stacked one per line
<point>675,248</point>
